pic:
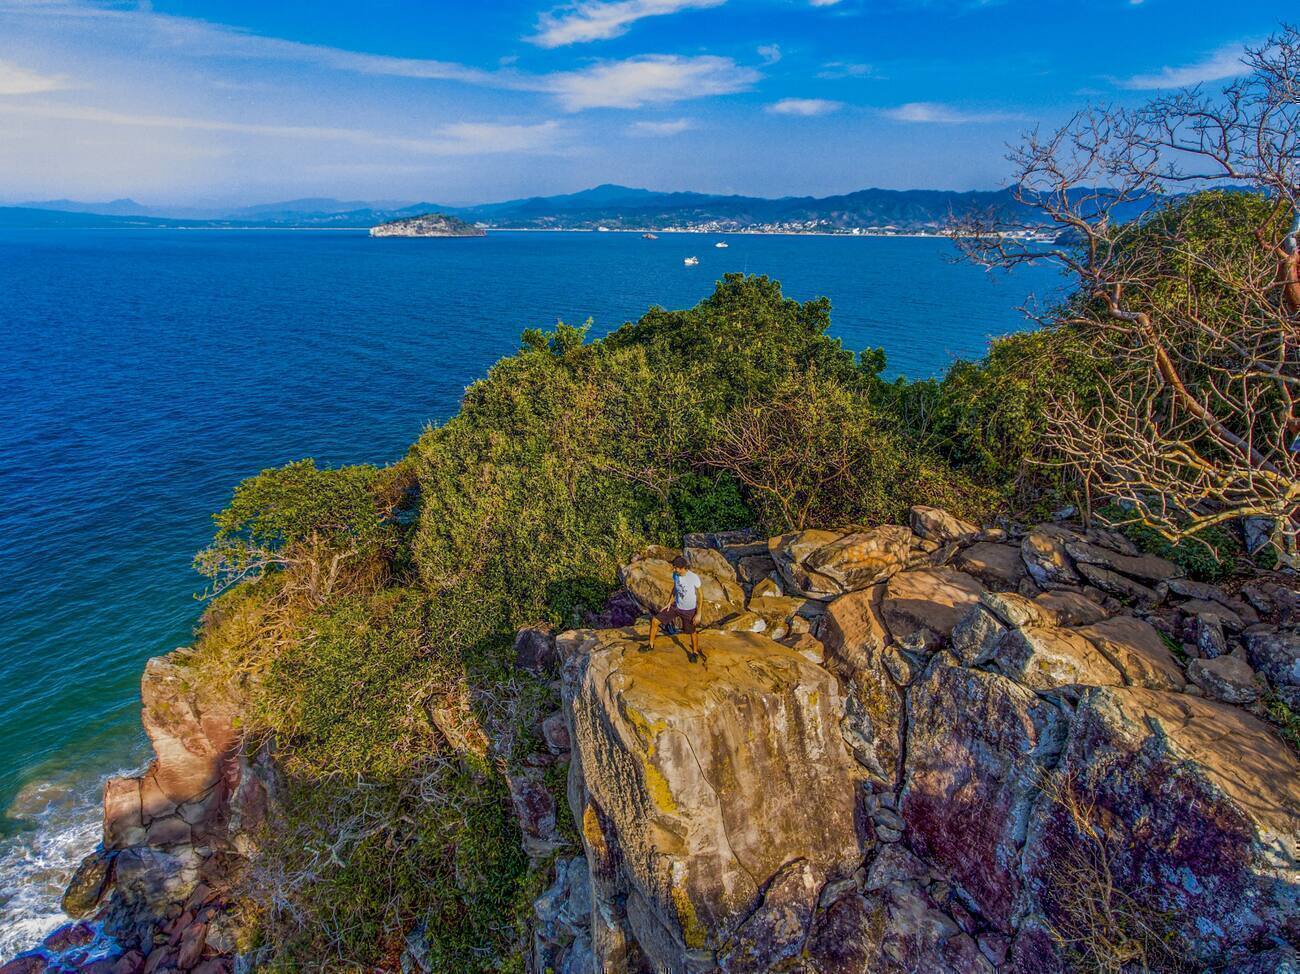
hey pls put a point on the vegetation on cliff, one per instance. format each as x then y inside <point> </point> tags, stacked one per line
<point>370,613</point>
<point>367,615</point>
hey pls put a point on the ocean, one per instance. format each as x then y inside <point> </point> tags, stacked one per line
<point>144,373</point>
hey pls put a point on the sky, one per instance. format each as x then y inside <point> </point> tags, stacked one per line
<point>226,102</point>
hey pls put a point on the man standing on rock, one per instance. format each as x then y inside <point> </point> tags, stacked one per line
<point>681,611</point>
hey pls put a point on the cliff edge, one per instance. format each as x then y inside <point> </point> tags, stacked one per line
<point>957,755</point>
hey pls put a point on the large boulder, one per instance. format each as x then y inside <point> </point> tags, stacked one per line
<point>1276,655</point>
<point>936,524</point>
<point>1045,557</point>
<point>1182,812</point>
<point>1047,657</point>
<point>1137,650</point>
<point>193,733</point>
<point>1147,568</point>
<point>933,599</point>
<point>999,566</point>
<point>697,785</point>
<point>976,746</point>
<point>824,564</point>
<point>855,640</point>
<point>650,580</point>
<point>894,924</point>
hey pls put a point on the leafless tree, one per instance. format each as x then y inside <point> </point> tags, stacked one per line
<point>1196,422</point>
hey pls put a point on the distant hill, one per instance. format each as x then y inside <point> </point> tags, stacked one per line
<point>609,205</point>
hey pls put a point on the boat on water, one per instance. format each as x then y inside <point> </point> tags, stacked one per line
<point>691,261</point>
<point>721,244</point>
<point>649,236</point>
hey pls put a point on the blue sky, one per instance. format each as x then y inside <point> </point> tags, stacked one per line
<point>187,101</point>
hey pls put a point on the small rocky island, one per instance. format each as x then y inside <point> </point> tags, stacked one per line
<point>428,225</point>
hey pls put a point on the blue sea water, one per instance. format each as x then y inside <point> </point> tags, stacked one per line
<point>144,373</point>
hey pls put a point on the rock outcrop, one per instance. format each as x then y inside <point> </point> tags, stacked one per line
<point>176,836</point>
<point>715,800</point>
<point>963,751</point>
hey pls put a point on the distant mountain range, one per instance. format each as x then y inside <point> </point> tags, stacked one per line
<point>609,206</point>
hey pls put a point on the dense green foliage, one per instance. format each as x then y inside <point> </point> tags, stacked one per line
<point>375,647</point>
<point>372,629</point>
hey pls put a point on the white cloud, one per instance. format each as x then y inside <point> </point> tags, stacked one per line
<point>824,3</point>
<point>647,80</point>
<point>770,53</point>
<point>806,107</point>
<point>835,70</point>
<point>457,139</point>
<point>631,83</point>
<point>1223,63</point>
<point>674,126</point>
<point>598,20</point>
<point>19,81</point>
<point>934,113</point>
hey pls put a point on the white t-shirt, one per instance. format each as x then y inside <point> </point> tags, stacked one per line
<point>686,588</point>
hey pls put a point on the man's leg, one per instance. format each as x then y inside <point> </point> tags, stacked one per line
<point>695,643</point>
<point>654,629</point>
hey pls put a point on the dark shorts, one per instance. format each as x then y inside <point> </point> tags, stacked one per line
<point>683,619</point>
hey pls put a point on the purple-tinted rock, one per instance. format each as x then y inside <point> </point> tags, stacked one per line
<point>1193,805</point>
<point>976,745</point>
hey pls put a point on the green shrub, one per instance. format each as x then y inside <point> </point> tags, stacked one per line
<point>1210,555</point>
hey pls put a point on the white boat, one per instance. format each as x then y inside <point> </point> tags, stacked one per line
<point>721,244</point>
<point>691,261</point>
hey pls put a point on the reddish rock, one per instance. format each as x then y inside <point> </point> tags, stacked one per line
<point>159,960</point>
<point>999,566</point>
<point>535,810</point>
<point>1197,808</point>
<point>191,946</point>
<point>27,964</point>
<point>68,937</point>
<point>132,962</point>
<point>1137,651</point>
<point>214,965</point>
<point>976,745</point>
<point>930,599</point>
<point>191,736</point>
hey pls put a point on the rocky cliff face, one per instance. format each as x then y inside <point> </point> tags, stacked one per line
<point>176,841</point>
<point>933,749</point>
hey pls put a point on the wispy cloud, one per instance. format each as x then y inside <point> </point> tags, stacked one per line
<point>834,70</point>
<point>19,81</point>
<point>806,107</point>
<point>935,113</point>
<point>663,129</point>
<point>631,83</point>
<point>823,3</point>
<point>457,139</point>
<point>650,79</point>
<point>770,53</point>
<point>1223,63</point>
<point>598,20</point>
